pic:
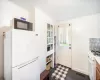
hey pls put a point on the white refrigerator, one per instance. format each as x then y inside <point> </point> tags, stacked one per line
<point>21,58</point>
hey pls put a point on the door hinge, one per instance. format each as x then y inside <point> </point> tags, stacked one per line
<point>4,34</point>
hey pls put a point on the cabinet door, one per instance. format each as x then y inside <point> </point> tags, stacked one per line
<point>97,74</point>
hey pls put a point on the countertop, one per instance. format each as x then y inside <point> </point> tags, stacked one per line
<point>97,58</point>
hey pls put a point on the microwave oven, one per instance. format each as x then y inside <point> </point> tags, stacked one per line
<point>23,25</point>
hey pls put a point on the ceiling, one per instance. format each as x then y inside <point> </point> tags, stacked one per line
<point>62,10</point>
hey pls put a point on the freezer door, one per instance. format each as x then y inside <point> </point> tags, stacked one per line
<point>29,71</point>
<point>24,46</point>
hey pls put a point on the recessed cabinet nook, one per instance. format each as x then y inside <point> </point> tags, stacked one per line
<point>50,47</point>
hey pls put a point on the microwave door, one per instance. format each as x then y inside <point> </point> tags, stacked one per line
<point>23,25</point>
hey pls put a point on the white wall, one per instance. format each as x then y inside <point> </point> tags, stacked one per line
<point>8,11</point>
<point>41,20</point>
<point>11,11</point>
<point>83,28</point>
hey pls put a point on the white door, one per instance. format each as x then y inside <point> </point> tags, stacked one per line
<point>24,46</point>
<point>64,47</point>
<point>29,71</point>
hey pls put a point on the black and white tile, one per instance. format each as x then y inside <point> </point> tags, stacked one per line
<point>70,75</point>
<point>60,73</point>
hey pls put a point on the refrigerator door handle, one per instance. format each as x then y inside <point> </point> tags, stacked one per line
<point>25,62</point>
<point>28,63</point>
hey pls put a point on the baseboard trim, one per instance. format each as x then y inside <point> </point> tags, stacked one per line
<point>81,71</point>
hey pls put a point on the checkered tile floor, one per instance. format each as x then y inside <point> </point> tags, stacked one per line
<point>60,73</point>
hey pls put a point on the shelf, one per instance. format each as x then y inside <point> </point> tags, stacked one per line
<point>50,30</point>
<point>50,43</point>
<point>50,53</point>
<point>48,62</point>
<point>50,37</point>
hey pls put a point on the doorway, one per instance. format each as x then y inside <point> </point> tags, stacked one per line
<point>64,50</point>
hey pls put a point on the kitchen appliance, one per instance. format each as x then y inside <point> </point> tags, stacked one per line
<point>92,66</point>
<point>95,53</point>
<point>23,25</point>
<point>21,59</point>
